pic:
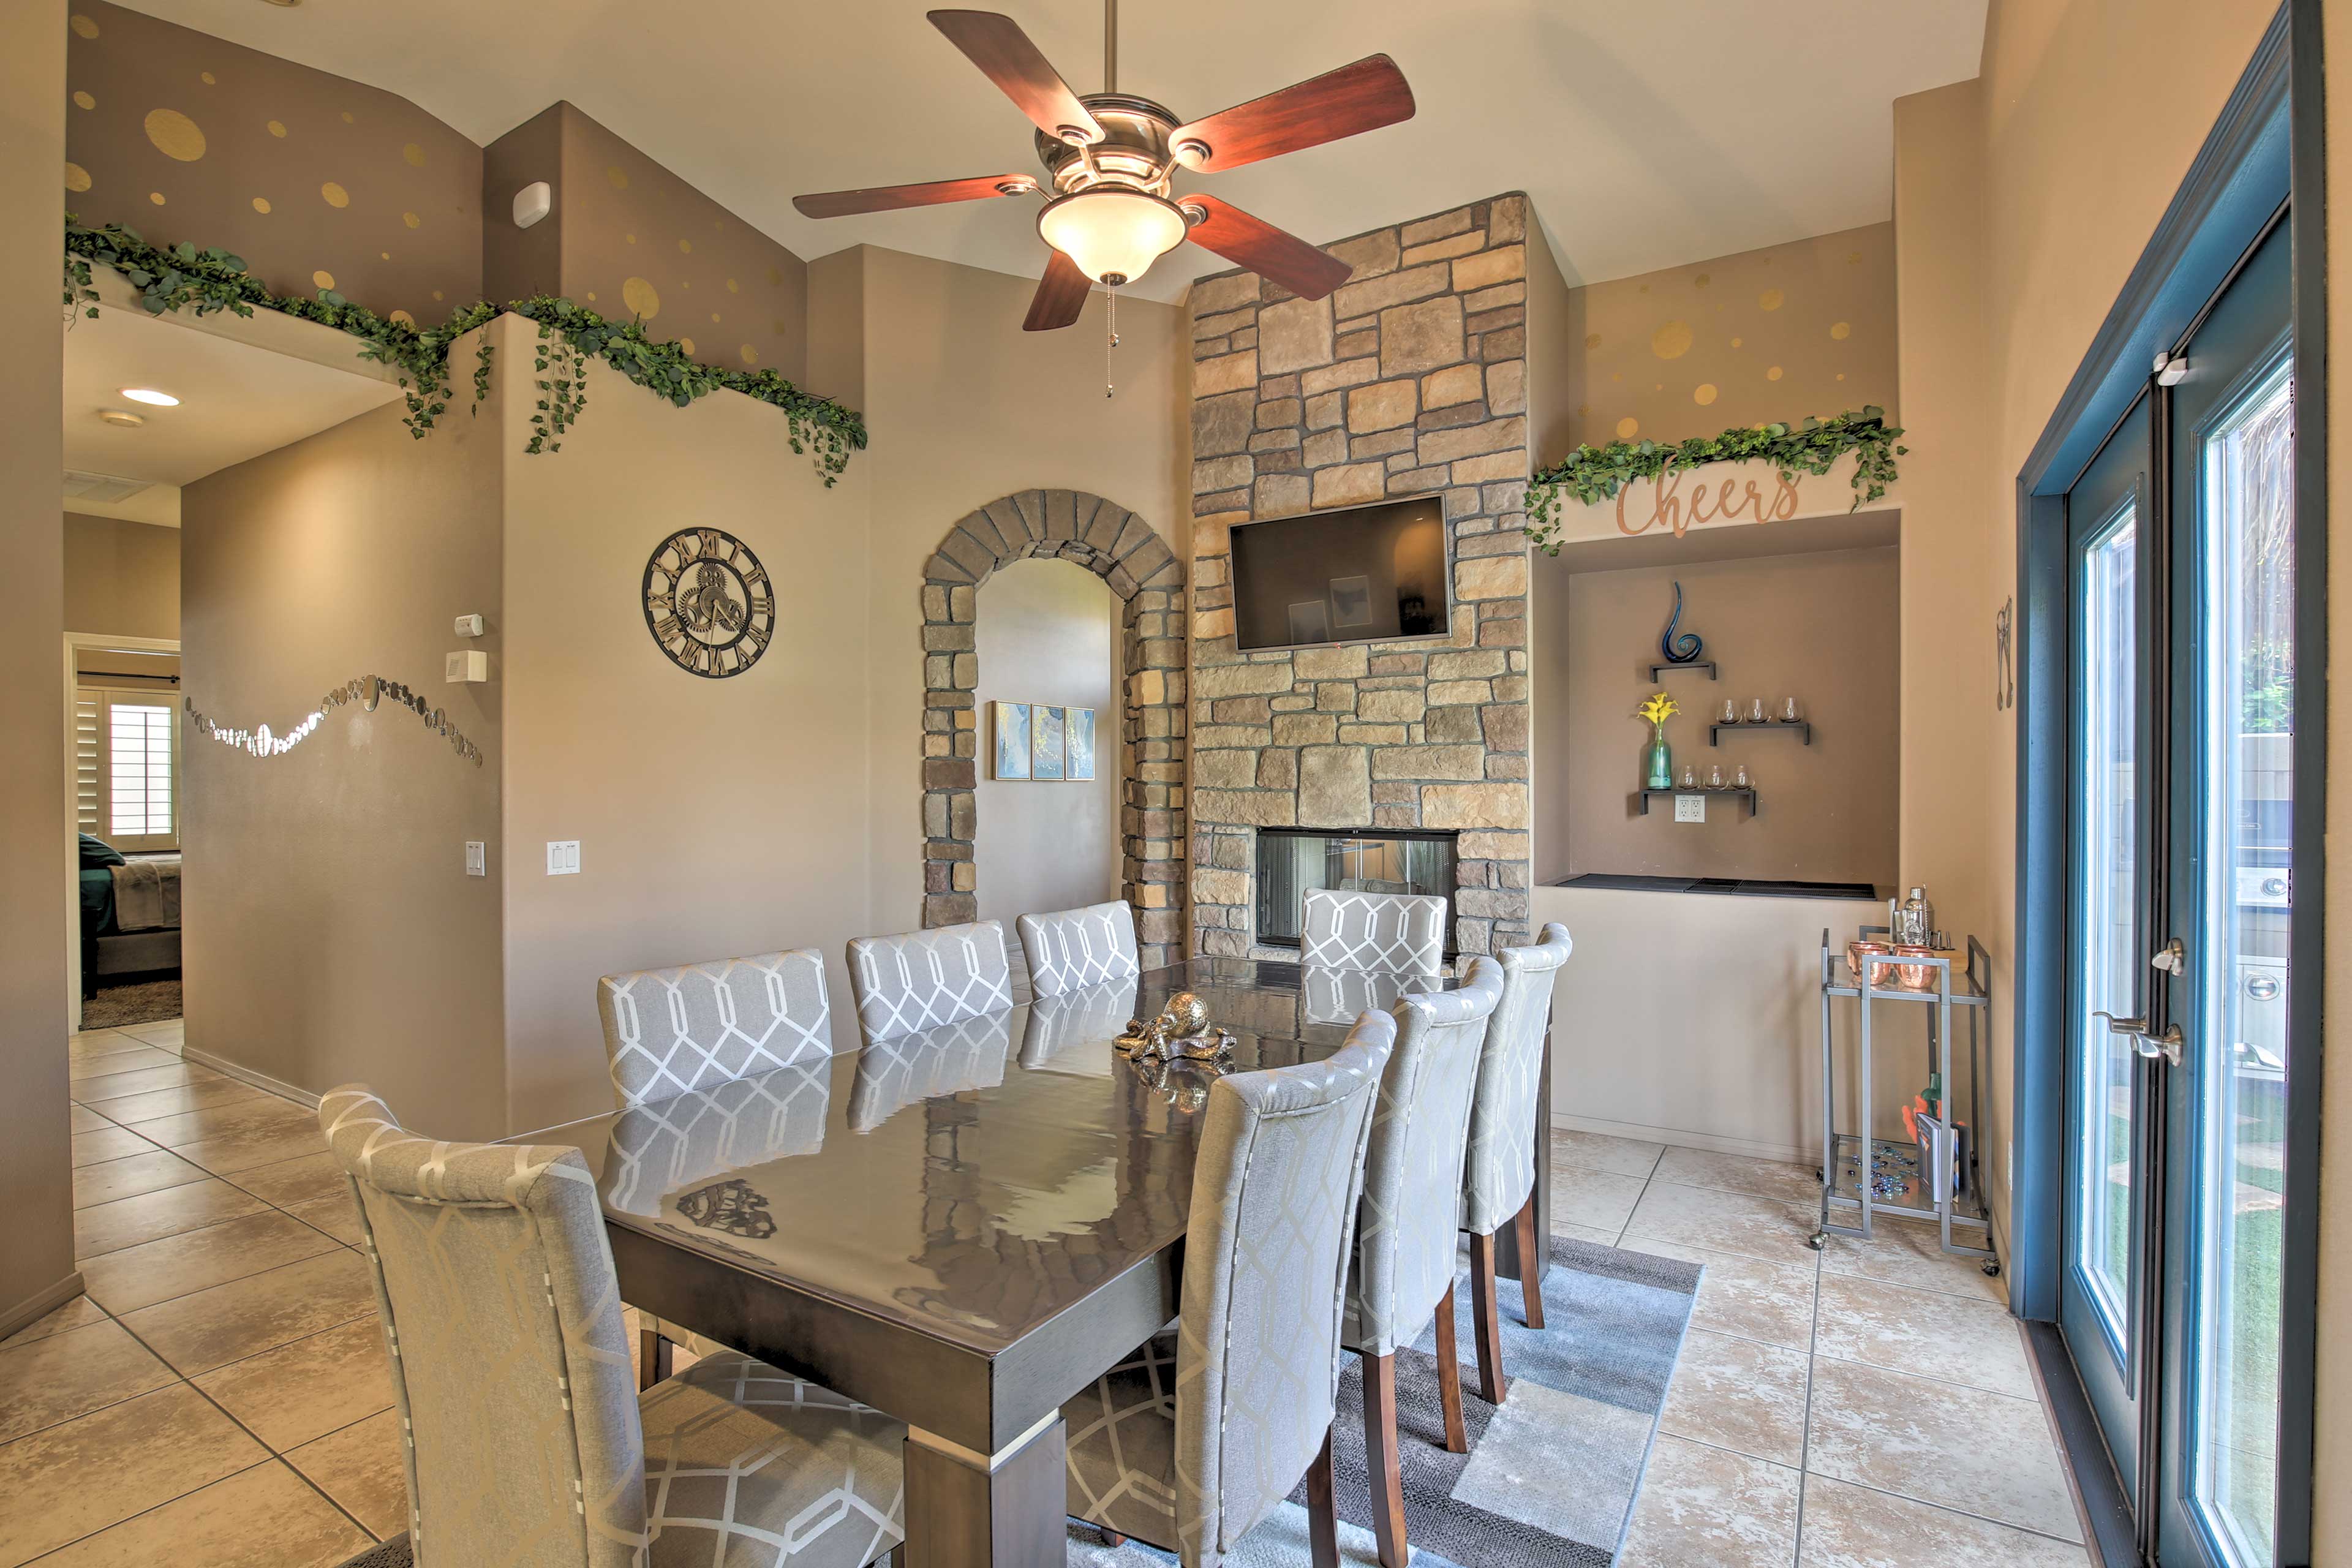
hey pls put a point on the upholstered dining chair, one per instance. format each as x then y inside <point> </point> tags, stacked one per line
<point>1401,933</point>
<point>1197,1437</point>
<point>926,978</point>
<point>670,1032</point>
<point>1407,1232</point>
<point>523,1441</point>
<point>1073,948</point>
<point>1498,1178</point>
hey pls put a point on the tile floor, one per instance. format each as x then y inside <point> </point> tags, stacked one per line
<point>219,1398</point>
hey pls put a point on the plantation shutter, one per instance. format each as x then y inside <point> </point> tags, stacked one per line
<point>89,763</point>
<point>126,768</point>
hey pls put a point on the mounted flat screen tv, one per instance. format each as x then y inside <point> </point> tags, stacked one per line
<point>1361,574</point>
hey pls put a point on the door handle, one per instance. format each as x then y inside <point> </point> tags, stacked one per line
<point>2171,1045</point>
<point>2132,1027</point>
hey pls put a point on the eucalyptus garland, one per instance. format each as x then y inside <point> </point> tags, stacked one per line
<point>1597,473</point>
<point>183,278</point>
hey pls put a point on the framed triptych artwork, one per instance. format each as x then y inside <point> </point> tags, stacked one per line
<point>1043,743</point>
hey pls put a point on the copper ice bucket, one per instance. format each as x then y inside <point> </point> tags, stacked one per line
<point>1885,975</point>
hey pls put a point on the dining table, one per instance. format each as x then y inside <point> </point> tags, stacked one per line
<point>963,1228</point>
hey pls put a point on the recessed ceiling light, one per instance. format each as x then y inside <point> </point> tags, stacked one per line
<point>149,394</point>
<point>122,416</point>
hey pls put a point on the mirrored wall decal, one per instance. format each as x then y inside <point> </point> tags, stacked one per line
<point>708,603</point>
<point>1081,744</point>
<point>1012,739</point>
<point>1047,751</point>
<point>368,692</point>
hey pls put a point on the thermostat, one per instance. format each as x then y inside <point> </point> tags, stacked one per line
<point>469,625</point>
<point>469,665</point>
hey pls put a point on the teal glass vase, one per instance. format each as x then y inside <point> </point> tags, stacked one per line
<point>1662,760</point>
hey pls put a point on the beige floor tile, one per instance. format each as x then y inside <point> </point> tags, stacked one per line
<point>72,1315</point>
<point>362,1468</point>
<point>178,1075</point>
<point>150,1217</point>
<point>108,1143</point>
<point>1586,1233</point>
<point>45,1381</point>
<point>1936,1442</point>
<point>168,1034</point>
<point>116,1064</point>
<point>292,1182</point>
<point>82,1118</point>
<point>303,1391</point>
<point>217,1090</point>
<point>335,1214</point>
<point>1593,1198</point>
<point>1747,1296</point>
<point>1953,1339</point>
<point>266,1516</point>
<point>1724,1221</point>
<point>196,1260</point>
<point>1601,1152</point>
<point>1908,1252</point>
<point>1704,1508</point>
<point>96,1043</point>
<point>229,1322</point>
<point>258,1146</point>
<point>1740,1174</point>
<point>1738,1394</point>
<point>254,1116</point>
<point>127,1178</point>
<point>68,1481</point>
<point>1854,1527</point>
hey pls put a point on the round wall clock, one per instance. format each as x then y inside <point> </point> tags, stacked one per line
<point>708,603</point>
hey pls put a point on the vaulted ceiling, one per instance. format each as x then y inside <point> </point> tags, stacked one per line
<point>1647,132</point>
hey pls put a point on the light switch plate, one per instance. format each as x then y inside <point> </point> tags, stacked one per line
<point>1690,808</point>
<point>563,857</point>
<point>477,859</point>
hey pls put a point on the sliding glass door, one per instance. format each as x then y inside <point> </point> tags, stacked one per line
<point>2182,777</point>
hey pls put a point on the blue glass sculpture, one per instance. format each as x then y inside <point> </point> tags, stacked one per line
<point>1683,650</point>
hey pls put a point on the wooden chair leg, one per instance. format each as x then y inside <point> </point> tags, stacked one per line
<point>1449,1378</point>
<point>1111,1537</point>
<point>1486,1319</point>
<point>1380,1458</point>
<point>1322,1510</point>
<point>653,1358</point>
<point>1530,1276</point>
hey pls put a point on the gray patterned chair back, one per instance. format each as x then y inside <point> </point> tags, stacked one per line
<point>509,1362</point>
<point>1074,948</point>
<point>1276,1181</point>
<point>895,1073</point>
<point>1407,1232</point>
<point>673,1031</point>
<point>1401,933</point>
<point>1500,1172</point>
<point>927,978</point>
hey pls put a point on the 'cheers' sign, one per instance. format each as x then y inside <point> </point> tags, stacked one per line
<point>1733,500</point>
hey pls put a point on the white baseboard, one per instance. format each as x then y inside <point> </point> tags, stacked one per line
<point>247,1075</point>
<point>25,1314</point>
<point>1677,1138</point>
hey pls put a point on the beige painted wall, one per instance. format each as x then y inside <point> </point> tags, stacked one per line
<point>121,578</point>
<point>1047,633</point>
<point>35,1222</point>
<point>1819,626</point>
<point>332,932</point>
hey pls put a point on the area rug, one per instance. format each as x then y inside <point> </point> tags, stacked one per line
<point>149,1002</point>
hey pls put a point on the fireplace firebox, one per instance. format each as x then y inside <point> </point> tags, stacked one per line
<point>1290,860</point>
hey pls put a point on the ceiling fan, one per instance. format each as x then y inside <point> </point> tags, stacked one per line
<point>1110,158</point>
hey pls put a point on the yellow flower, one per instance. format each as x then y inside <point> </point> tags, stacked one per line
<point>1659,709</point>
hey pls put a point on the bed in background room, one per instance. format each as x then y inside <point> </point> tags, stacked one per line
<point>130,914</point>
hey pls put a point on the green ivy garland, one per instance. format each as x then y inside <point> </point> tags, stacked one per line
<point>183,278</point>
<point>1597,473</point>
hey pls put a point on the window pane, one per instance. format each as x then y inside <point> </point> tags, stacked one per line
<point>2239,1051</point>
<point>139,761</point>
<point>2109,878</point>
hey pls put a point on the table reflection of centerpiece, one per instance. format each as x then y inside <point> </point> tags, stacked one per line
<point>1181,1030</point>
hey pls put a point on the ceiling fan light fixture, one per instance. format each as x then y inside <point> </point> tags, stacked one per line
<point>1112,233</point>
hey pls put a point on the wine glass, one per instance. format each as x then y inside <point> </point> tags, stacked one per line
<point>1730,712</point>
<point>1791,714</point>
<point>1714,777</point>
<point>1690,778</point>
<point>1739,780</point>
<point>1756,711</point>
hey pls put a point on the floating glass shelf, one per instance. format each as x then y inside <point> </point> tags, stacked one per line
<point>1803,728</point>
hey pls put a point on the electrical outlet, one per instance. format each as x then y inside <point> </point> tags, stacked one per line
<point>477,858</point>
<point>563,857</point>
<point>1690,808</point>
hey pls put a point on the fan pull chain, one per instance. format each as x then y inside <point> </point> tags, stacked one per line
<point>1111,388</point>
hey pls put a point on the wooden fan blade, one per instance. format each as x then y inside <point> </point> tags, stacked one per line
<point>1268,251</point>
<point>1061,295</point>
<point>1354,99</point>
<point>892,198</point>
<point>1005,53</point>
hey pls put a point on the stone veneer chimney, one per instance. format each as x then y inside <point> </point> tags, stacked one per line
<point>1411,378</point>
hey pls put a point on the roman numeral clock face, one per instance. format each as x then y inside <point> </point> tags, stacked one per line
<point>708,603</point>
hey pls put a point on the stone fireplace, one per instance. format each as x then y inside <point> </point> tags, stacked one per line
<point>1410,379</point>
<point>1291,860</point>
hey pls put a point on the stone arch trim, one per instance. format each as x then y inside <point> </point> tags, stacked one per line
<point>1129,554</point>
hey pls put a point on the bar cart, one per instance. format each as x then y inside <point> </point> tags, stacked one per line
<point>1879,1175</point>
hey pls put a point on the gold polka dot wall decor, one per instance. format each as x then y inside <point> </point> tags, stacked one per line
<point>278,128</point>
<point>749,355</point>
<point>1842,330</point>
<point>175,135</point>
<point>84,100</point>
<point>1704,393</point>
<point>155,196</point>
<point>641,297</point>
<point>1591,340</point>
<point>402,317</point>
<point>208,78</point>
<point>436,293</point>
<point>775,275</point>
<point>1853,258</point>
<point>1702,280</point>
<point>1734,343</point>
<point>411,220</point>
<point>1671,341</point>
<point>592,296</point>
<point>1659,386</point>
<point>347,118</point>
<point>335,194</point>
<point>261,205</point>
<point>323,278</point>
<point>82,26</point>
<point>631,239</point>
<point>77,177</point>
<point>383,256</point>
<point>617,176</point>
<point>1840,376</point>
<point>1583,409</point>
<point>686,246</point>
<point>780,328</point>
<point>1771,300</point>
<point>414,154</point>
<point>687,343</point>
<point>1773,374</point>
<point>1628,427</point>
<point>731,287</point>
<point>714,318</point>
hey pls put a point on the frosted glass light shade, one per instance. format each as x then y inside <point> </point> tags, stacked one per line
<point>1112,234</point>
